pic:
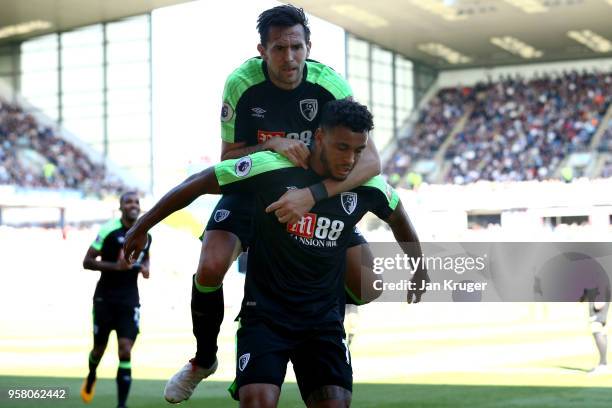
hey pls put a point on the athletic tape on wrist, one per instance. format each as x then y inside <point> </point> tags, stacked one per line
<point>319,192</point>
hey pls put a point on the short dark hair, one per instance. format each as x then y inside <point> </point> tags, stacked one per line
<point>286,15</point>
<point>347,113</point>
<point>123,196</point>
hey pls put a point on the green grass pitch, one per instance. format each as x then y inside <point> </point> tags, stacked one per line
<point>148,393</point>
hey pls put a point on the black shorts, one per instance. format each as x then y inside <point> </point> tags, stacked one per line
<point>109,316</point>
<point>234,213</point>
<point>600,315</point>
<point>319,357</point>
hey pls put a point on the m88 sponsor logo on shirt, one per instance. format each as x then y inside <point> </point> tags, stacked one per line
<point>265,135</point>
<point>313,230</point>
<point>304,136</point>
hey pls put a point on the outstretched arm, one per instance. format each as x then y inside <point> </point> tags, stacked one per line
<point>179,197</point>
<point>406,236</point>
<point>294,203</point>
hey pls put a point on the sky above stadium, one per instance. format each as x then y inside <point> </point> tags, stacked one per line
<point>195,47</point>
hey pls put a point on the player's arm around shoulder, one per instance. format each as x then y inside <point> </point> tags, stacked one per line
<point>294,150</point>
<point>294,203</point>
<point>251,172</point>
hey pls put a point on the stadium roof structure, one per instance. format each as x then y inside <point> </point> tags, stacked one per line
<point>452,34</point>
<point>21,19</point>
<point>444,34</point>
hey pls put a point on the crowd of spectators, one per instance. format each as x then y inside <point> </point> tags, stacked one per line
<point>522,130</point>
<point>35,156</point>
<point>434,124</point>
<point>518,130</point>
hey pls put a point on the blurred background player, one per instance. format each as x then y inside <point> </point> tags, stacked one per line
<point>116,302</point>
<point>271,102</point>
<point>598,314</point>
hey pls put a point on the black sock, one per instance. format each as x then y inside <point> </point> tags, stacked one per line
<point>207,310</point>
<point>91,377</point>
<point>124,380</point>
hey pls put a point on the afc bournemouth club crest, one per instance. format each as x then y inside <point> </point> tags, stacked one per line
<point>221,215</point>
<point>243,361</point>
<point>309,108</point>
<point>349,201</point>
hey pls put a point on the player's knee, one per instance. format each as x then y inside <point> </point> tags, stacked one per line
<point>98,351</point>
<point>329,396</point>
<point>597,327</point>
<point>219,250</point>
<point>125,349</point>
<point>259,396</point>
<point>125,354</point>
<point>212,271</point>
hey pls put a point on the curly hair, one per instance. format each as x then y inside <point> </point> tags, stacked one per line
<point>347,113</point>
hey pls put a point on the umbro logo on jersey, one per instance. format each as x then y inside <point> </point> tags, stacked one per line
<point>243,166</point>
<point>258,112</point>
<point>349,201</point>
<point>309,108</point>
<point>221,215</point>
<point>243,361</point>
<point>289,188</point>
<point>121,240</point>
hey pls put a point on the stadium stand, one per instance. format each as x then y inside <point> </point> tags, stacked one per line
<point>607,168</point>
<point>33,155</point>
<point>435,122</point>
<point>517,129</point>
<point>606,146</point>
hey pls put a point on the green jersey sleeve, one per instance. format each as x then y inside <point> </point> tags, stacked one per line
<point>250,173</point>
<point>329,79</point>
<point>106,229</point>
<point>385,197</point>
<point>247,75</point>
